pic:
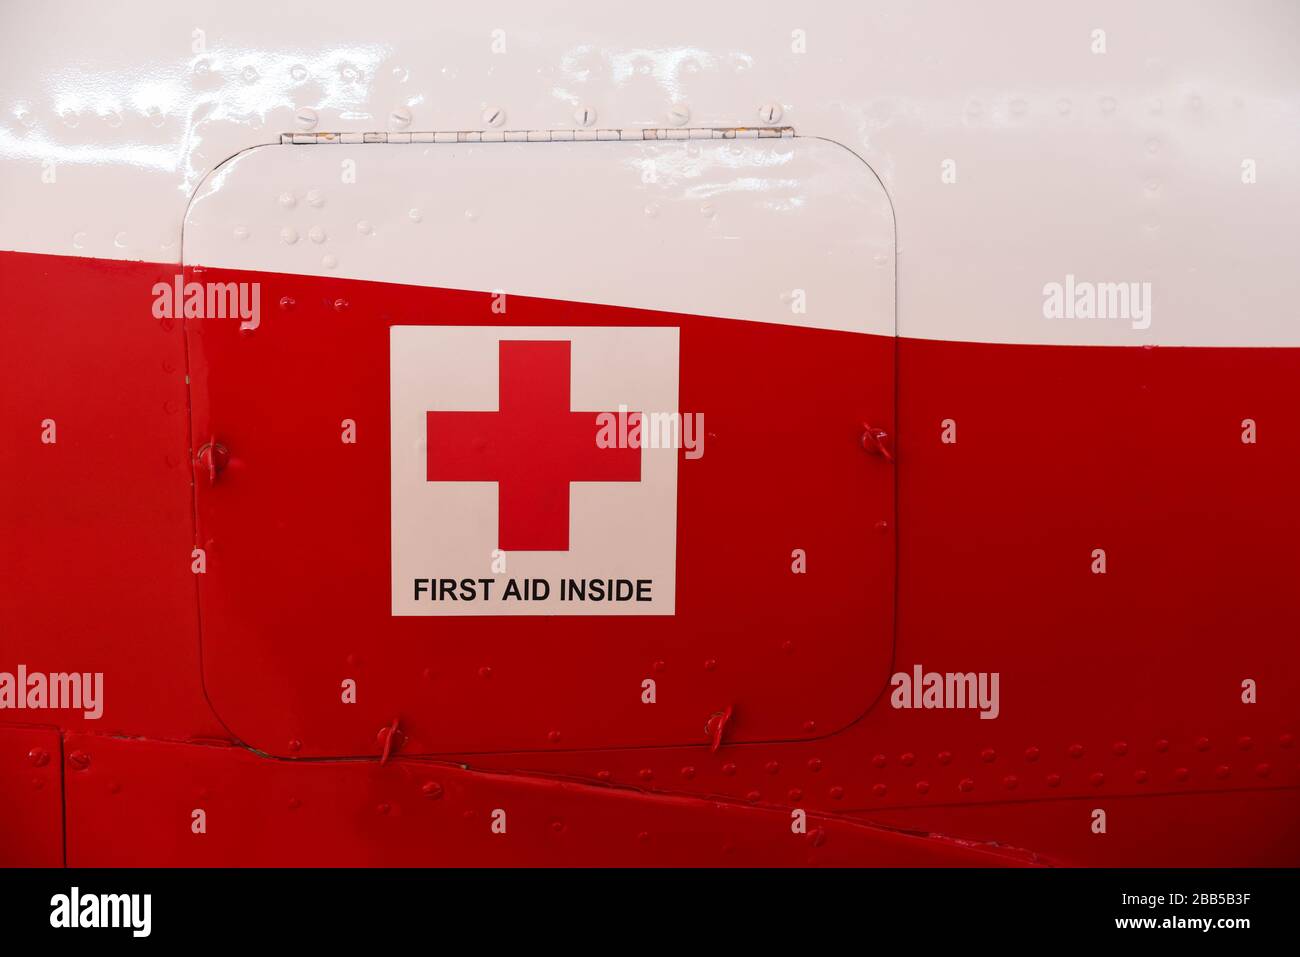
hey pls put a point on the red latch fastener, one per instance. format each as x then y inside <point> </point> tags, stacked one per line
<point>714,727</point>
<point>873,440</point>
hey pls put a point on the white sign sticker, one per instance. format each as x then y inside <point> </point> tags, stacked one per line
<point>521,484</point>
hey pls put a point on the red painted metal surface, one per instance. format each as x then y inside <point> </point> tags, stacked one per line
<point>1120,691</point>
<point>296,595</point>
<point>265,812</point>
<point>31,798</point>
<point>96,529</point>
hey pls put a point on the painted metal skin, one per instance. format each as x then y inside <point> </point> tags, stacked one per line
<point>1120,691</point>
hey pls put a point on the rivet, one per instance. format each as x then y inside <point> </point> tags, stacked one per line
<point>1120,748</point>
<point>603,775</point>
<point>340,305</point>
<point>922,787</point>
<point>315,198</point>
<point>643,836</point>
<point>645,774</point>
<point>485,672</point>
<point>967,784</point>
<point>1141,777</point>
<point>584,116</point>
<point>1182,774</point>
<point>288,235</point>
<point>364,227</point>
<point>658,667</point>
<point>1076,750</point>
<point>241,232</point>
<point>728,769</point>
<point>817,836</point>
<point>907,759</point>
<point>773,767</point>
<point>879,760</point>
<point>1245,742</point>
<point>795,794</point>
<point>1053,780</point>
<point>1222,771</point>
<point>679,114</point>
<point>837,793</point>
<point>294,804</point>
<point>1162,745</point>
<point>1097,779</point>
<point>295,745</point>
<point>79,760</point>
<point>879,790</point>
<point>38,757</point>
<point>384,808</point>
<point>814,764</point>
<point>688,772</point>
<point>945,757</point>
<point>557,825</point>
<point>287,302</point>
<point>710,664</point>
<point>494,116</point>
<point>988,755</point>
<point>810,725</point>
<point>1202,744</point>
<point>787,647</point>
<point>1031,754</point>
<point>552,736</point>
<point>753,797</point>
<point>306,118</point>
<point>1011,782</point>
<point>1286,740</point>
<point>1263,770</point>
<point>432,790</point>
<point>770,112</point>
<point>316,234</point>
<point>400,117</point>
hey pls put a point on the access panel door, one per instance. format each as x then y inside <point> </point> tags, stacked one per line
<point>562,445</point>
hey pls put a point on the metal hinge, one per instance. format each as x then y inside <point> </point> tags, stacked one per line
<point>544,136</point>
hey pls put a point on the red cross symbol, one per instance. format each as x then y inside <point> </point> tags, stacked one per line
<point>533,448</point>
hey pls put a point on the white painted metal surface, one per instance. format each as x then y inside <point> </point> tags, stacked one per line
<point>791,231</point>
<point>1126,165</point>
